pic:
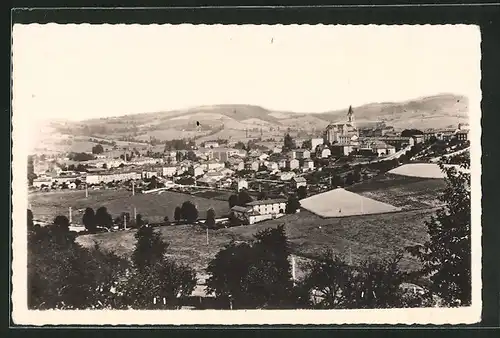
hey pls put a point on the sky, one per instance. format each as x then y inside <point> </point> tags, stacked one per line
<point>86,71</point>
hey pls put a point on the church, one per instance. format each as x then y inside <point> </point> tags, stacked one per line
<point>343,133</point>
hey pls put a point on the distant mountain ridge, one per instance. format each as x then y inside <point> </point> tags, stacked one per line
<point>232,121</point>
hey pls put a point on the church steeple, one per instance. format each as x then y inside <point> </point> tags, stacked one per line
<point>350,115</point>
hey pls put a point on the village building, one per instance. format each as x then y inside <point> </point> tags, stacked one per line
<point>110,177</point>
<point>344,132</point>
<point>148,174</point>
<point>211,144</point>
<point>282,163</point>
<point>325,152</point>
<point>270,206</point>
<point>299,182</point>
<point>169,171</point>
<point>252,165</point>
<point>308,165</point>
<point>241,184</point>
<point>287,176</point>
<point>196,170</point>
<point>315,142</point>
<point>213,165</point>
<point>342,149</point>
<point>277,149</point>
<point>272,166</point>
<point>462,135</point>
<point>398,142</point>
<point>293,164</point>
<point>42,182</point>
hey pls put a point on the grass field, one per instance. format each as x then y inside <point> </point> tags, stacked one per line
<point>153,207</point>
<point>362,236</point>
<point>402,191</point>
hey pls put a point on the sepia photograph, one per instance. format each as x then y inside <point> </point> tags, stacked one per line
<point>246,174</point>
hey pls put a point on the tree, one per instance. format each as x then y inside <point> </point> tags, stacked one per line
<point>103,218</point>
<point>189,212</point>
<point>302,192</point>
<point>139,222</point>
<point>288,143</point>
<point>149,248</point>
<point>244,197</point>
<point>411,132</point>
<point>153,183</point>
<point>177,214</point>
<point>307,144</point>
<point>30,223</point>
<point>240,145</point>
<point>210,222</point>
<point>61,223</point>
<point>233,200</point>
<point>89,220</point>
<point>262,195</point>
<point>166,220</point>
<point>292,205</point>
<point>446,256</point>
<point>64,275</point>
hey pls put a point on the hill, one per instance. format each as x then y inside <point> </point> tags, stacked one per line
<point>237,120</point>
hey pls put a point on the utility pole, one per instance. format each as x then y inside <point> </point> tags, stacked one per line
<point>207,234</point>
<point>293,269</point>
<point>86,190</point>
<point>135,213</point>
<point>133,188</point>
<point>70,218</point>
<point>125,221</point>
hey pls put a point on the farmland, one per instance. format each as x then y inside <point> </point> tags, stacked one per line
<point>364,236</point>
<point>402,191</point>
<point>152,206</point>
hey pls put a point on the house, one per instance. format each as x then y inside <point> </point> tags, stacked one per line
<point>242,184</point>
<point>110,177</point>
<point>213,165</point>
<point>238,166</point>
<point>272,166</point>
<point>226,171</point>
<point>42,182</point>
<point>398,142</point>
<point>342,149</point>
<point>214,175</point>
<point>287,176</point>
<point>242,213</point>
<point>299,154</point>
<point>149,174</point>
<point>211,144</point>
<point>267,207</point>
<point>169,171</point>
<point>196,170</point>
<point>277,149</point>
<point>325,152</point>
<point>293,164</point>
<point>308,165</point>
<point>383,149</point>
<point>315,142</point>
<point>253,165</point>
<point>282,163</point>
<point>418,138</point>
<point>462,135</point>
<point>299,182</point>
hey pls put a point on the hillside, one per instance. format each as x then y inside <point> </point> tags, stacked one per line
<point>236,120</point>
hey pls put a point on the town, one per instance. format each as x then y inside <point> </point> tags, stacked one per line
<point>269,171</point>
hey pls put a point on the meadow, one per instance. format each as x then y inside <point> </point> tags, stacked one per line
<point>154,207</point>
<point>402,191</point>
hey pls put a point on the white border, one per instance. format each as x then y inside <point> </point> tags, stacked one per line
<point>22,316</point>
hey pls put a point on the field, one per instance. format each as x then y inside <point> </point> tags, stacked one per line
<point>153,207</point>
<point>402,191</point>
<point>424,170</point>
<point>341,203</point>
<point>361,236</point>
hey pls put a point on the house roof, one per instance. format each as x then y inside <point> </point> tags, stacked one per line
<point>299,179</point>
<point>241,209</point>
<point>269,201</point>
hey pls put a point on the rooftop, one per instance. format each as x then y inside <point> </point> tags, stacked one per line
<point>269,201</point>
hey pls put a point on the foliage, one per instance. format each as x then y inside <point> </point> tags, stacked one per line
<point>288,143</point>
<point>446,256</point>
<point>103,218</point>
<point>189,212</point>
<point>302,192</point>
<point>63,275</point>
<point>89,220</point>
<point>97,149</point>
<point>411,132</point>
<point>210,222</point>
<point>307,144</point>
<point>177,214</point>
<point>80,157</point>
<point>244,197</point>
<point>233,200</point>
<point>292,205</point>
<point>149,249</point>
<point>254,276</point>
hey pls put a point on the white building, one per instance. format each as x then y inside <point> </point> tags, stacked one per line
<point>211,144</point>
<point>299,182</point>
<point>196,170</point>
<point>40,182</point>
<point>271,206</point>
<point>122,176</point>
<point>316,142</point>
<point>326,152</point>
<point>169,171</point>
<point>308,165</point>
<point>293,164</point>
<point>242,184</point>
